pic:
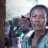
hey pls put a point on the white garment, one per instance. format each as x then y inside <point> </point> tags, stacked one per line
<point>29,33</point>
<point>46,27</point>
<point>15,28</point>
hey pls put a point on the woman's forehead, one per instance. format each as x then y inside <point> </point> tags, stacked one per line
<point>41,11</point>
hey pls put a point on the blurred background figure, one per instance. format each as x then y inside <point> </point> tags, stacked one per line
<point>7,30</point>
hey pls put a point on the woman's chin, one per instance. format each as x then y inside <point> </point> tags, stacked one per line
<point>38,29</point>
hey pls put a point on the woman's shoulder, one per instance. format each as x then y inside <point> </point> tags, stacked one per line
<point>44,42</point>
<point>46,36</point>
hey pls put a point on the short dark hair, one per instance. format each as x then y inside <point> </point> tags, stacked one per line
<point>40,7</point>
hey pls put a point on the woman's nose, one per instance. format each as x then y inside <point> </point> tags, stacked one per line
<point>37,19</point>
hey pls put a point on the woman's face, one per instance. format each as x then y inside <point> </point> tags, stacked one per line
<point>38,19</point>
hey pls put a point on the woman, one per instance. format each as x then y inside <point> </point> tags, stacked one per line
<point>38,18</point>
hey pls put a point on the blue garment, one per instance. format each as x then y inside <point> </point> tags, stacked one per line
<point>42,42</point>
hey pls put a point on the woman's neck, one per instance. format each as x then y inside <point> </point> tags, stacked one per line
<point>39,32</point>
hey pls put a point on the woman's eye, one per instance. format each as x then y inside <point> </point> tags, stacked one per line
<point>42,17</point>
<point>34,16</point>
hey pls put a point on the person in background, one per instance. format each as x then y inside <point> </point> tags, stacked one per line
<point>15,26</point>
<point>38,18</point>
<point>26,32</point>
<point>10,32</point>
<point>6,37</point>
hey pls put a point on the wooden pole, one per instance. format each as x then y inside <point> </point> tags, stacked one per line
<point>2,19</point>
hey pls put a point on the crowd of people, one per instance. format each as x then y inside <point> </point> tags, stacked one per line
<point>28,32</point>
